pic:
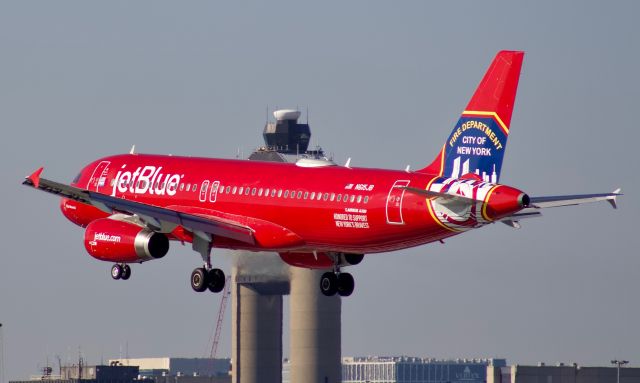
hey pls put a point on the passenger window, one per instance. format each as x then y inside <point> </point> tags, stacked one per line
<point>221,191</point>
<point>228,189</point>
<point>286,194</point>
<point>313,195</point>
<point>299,194</point>
<point>193,188</point>
<point>359,198</point>
<point>353,198</point>
<point>240,190</point>
<point>181,187</point>
<point>266,192</point>
<point>306,195</point>
<point>339,197</point>
<point>333,197</point>
<point>279,193</point>
<point>325,196</point>
<point>235,189</point>
<point>253,191</point>
<point>319,196</point>
<point>366,199</point>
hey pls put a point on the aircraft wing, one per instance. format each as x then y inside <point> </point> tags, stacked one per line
<point>568,200</point>
<point>537,203</point>
<point>156,216</point>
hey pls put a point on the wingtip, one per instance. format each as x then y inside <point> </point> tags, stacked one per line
<point>34,178</point>
<point>612,199</point>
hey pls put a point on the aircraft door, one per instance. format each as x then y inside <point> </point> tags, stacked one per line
<point>203,191</point>
<point>99,177</point>
<point>214,191</point>
<point>394,203</point>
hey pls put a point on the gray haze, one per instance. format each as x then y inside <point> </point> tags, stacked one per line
<point>384,83</point>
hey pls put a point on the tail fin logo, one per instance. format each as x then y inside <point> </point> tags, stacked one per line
<point>475,146</point>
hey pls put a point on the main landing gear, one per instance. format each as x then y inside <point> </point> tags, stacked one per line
<point>205,277</point>
<point>202,279</point>
<point>120,271</point>
<point>333,282</point>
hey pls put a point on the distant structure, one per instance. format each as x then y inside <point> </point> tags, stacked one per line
<point>404,369</point>
<point>287,135</point>
<point>561,373</point>
<point>150,368</point>
<point>287,140</point>
<point>86,374</point>
<point>256,296</point>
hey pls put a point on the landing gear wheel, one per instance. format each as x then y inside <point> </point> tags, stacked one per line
<point>116,271</point>
<point>199,279</point>
<point>216,280</point>
<point>126,272</point>
<point>346,284</point>
<point>329,284</point>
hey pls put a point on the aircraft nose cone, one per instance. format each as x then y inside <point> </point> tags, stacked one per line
<point>504,201</point>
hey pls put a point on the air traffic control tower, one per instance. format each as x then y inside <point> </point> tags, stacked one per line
<point>260,281</point>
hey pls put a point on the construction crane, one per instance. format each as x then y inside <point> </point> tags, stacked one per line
<point>223,306</point>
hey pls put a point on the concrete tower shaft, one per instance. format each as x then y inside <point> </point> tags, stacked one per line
<point>315,328</point>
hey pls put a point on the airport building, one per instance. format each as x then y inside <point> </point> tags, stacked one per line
<point>87,374</point>
<point>167,366</point>
<point>561,373</point>
<point>416,370</point>
<point>401,369</point>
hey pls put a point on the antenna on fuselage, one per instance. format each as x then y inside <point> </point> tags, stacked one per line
<point>347,165</point>
<point>133,150</point>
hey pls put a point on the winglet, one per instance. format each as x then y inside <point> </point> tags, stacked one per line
<point>35,177</point>
<point>612,198</point>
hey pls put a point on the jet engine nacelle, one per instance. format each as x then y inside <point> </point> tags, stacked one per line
<point>117,241</point>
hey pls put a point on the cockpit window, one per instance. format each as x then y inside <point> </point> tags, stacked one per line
<point>75,180</point>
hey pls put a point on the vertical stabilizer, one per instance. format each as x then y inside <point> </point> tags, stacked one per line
<point>480,137</point>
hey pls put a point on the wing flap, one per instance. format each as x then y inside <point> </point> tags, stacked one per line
<point>109,204</point>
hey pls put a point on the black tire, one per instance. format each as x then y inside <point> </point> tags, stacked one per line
<point>126,272</point>
<point>216,280</point>
<point>329,284</point>
<point>346,284</point>
<point>116,271</point>
<point>199,280</point>
<point>353,259</point>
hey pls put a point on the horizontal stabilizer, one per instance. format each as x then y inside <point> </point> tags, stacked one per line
<point>434,194</point>
<point>514,219</point>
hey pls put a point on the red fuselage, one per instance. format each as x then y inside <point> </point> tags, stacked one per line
<point>292,208</point>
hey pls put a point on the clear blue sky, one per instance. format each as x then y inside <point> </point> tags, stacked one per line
<point>384,83</point>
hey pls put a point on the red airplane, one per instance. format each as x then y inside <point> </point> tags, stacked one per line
<point>315,214</point>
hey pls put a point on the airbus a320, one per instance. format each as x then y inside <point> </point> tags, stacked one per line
<point>315,214</point>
